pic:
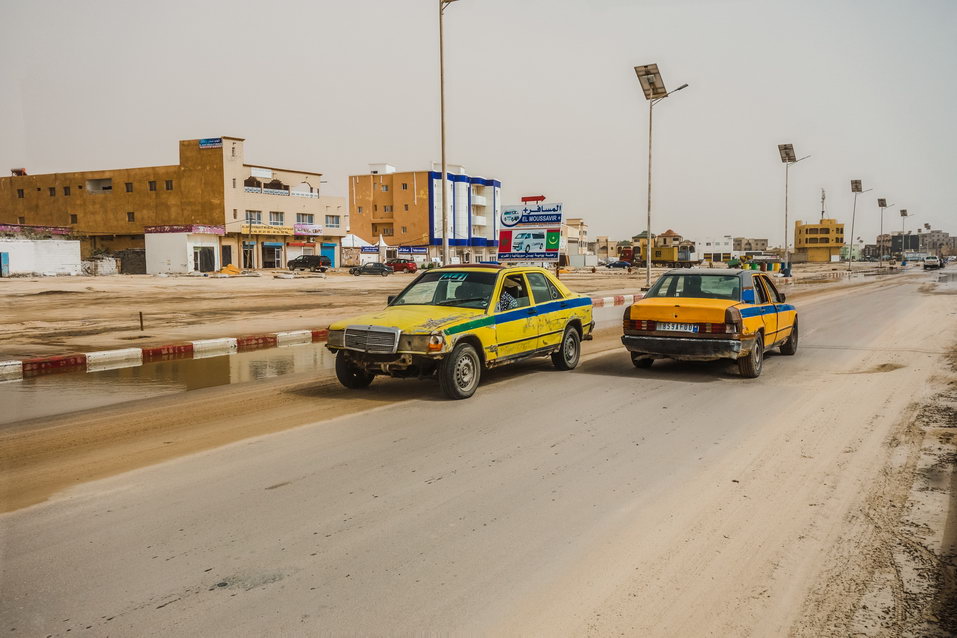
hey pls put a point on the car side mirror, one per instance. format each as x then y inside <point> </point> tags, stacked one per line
<point>748,295</point>
<point>783,296</point>
<point>390,299</point>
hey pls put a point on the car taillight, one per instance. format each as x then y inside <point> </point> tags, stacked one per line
<point>715,328</point>
<point>640,324</point>
<point>732,318</point>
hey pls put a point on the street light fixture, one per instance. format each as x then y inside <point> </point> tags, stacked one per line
<point>856,189</point>
<point>445,178</point>
<point>654,89</point>
<point>882,204</point>
<point>789,158</point>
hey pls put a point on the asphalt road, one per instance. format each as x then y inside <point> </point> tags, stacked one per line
<point>678,500</point>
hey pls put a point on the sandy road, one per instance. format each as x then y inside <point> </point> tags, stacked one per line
<point>679,500</point>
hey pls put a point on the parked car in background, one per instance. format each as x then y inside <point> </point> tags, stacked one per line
<point>374,268</point>
<point>932,262</point>
<point>619,264</point>
<point>315,263</point>
<point>402,265</point>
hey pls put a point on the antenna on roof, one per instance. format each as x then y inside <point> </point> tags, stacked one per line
<point>823,197</point>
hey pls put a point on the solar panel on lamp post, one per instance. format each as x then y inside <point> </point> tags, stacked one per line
<point>788,157</point>
<point>654,89</point>
<point>856,189</point>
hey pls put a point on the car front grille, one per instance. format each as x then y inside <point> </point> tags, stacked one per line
<point>372,339</point>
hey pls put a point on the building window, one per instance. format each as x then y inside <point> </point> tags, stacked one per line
<point>152,185</point>
<point>235,214</point>
<point>275,219</point>
<point>254,217</point>
<point>52,190</point>
<point>358,210</point>
<point>21,220</point>
<point>385,188</point>
<point>332,221</point>
<point>169,184</point>
<point>387,208</point>
<point>234,182</point>
<point>66,191</point>
<point>131,217</point>
<point>404,230</point>
<point>304,218</point>
<point>129,187</point>
<point>405,187</point>
<point>72,219</point>
<point>406,206</point>
<point>375,208</point>
<point>20,193</point>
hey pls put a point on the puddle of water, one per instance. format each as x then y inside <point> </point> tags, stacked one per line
<point>55,394</point>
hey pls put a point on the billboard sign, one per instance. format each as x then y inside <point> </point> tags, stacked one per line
<point>307,229</point>
<point>530,232</point>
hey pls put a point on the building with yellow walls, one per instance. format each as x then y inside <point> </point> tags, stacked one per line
<point>260,216</point>
<point>819,242</point>
<point>404,210</point>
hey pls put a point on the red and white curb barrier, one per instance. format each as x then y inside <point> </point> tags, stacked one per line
<point>199,349</point>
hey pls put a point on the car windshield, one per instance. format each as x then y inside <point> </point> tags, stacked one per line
<point>463,289</point>
<point>698,286</point>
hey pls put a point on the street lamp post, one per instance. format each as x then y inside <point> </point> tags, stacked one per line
<point>904,217</point>
<point>445,178</point>
<point>856,189</point>
<point>654,88</point>
<point>882,204</point>
<point>788,157</point>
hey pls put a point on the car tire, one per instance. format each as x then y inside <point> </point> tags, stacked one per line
<point>641,362</point>
<point>750,364</point>
<point>460,372</point>
<point>790,346</point>
<point>356,273</point>
<point>569,352</point>
<point>385,273</point>
<point>350,375</point>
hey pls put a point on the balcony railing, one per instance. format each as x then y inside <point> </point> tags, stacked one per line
<point>279,191</point>
<point>479,200</point>
<point>479,221</point>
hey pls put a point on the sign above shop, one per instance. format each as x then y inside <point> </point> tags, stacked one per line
<point>186,228</point>
<point>211,142</point>
<point>255,171</point>
<point>266,229</point>
<point>308,229</point>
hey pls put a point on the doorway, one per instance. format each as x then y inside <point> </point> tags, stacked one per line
<point>272,255</point>
<point>227,256</point>
<point>204,259</point>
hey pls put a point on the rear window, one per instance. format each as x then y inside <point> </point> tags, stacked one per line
<point>697,286</point>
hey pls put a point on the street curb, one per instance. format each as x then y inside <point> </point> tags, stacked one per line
<point>132,357</point>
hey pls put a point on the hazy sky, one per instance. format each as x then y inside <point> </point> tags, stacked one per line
<point>541,94</point>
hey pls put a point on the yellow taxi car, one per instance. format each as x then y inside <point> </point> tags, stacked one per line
<point>455,321</point>
<point>702,314</point>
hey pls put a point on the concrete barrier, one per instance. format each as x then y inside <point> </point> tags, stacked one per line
<point>293,337</point>
<point>10,370</point>
<point>104,356</point>
<point>213,347</point>
<point>57,363</point>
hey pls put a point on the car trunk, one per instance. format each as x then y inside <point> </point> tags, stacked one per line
<point>681,310</point>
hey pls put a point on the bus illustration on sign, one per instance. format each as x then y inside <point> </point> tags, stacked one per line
<point>528,241</point>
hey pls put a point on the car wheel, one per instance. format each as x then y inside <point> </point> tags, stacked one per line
<point>459,373</point>
<point>640,361</point>
<point>350,375</point>
<point>355,272</point>
<point>385,273</point>
<point>570,351</point>
<point>790,346</point>
<point>750,364</point>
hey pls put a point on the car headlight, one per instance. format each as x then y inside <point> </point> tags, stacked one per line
<point>336,338</point>
<point>429,343</point>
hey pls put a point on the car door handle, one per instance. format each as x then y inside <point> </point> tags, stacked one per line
<point>530,312</point>
<point>563,304</point>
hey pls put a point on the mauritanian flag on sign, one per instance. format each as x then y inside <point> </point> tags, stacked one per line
<point>529,244</point>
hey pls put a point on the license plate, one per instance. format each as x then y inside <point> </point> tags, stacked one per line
<point>678,327</point>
